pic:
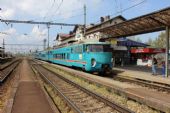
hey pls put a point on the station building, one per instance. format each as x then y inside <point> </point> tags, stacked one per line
<point>77,33</point>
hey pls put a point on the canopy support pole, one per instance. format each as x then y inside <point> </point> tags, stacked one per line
<point>167,50</point>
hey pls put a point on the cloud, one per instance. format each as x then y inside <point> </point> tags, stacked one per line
<point>35,37</point>
<point>7,33</point>
<point>37,10</point>
<point>8,13</point>
<point>47,8</point>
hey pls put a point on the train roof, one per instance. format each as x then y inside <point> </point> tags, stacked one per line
<point>96,43</point>
<point>74,44</point>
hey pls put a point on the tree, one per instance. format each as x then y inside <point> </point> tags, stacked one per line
<point>150,42</point>
<point>159,42</point>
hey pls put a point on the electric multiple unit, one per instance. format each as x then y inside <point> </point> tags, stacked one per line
<point>91,57</point>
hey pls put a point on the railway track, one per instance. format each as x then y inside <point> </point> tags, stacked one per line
<point>78,98</point>
<point>7,79</point>
<point>7,70</point>
<point>146,83</point>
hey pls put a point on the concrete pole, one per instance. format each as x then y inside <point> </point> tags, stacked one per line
<point>84,20</point>
<point>44,43</point>
<point>167,50</point>
<point>48,26</point>
<point>3,49</point>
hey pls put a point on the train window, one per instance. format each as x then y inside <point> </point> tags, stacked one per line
<point>98,48</point>
<point>77,49</point>
<point>71,50</point>
<point>68,56</point>
<point>58,56</point>
<point>63,56</point>
<point>43,55</point>
<point>50,52</point>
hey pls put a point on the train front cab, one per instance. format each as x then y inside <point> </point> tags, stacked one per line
<point>98,58</point>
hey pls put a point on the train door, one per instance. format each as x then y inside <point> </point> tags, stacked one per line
<point>84,52</point>
<point>68,56</point>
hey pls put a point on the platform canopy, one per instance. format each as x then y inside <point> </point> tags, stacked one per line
<point>152,22</point>
<point>130,43</point>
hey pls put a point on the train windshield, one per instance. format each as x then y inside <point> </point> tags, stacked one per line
<point>98,48</point>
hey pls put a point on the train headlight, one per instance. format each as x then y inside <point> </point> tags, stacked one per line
<point>93,62</point>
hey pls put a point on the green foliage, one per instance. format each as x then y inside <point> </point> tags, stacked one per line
<point>150,42</point>
<point>159,42</point>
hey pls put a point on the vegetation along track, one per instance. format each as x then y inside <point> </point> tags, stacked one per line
<point>78,98</point>
<point>146,83</point>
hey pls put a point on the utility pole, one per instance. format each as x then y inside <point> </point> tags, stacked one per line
<point>48,26</point>
<point>167,52</point>
<point>3,48</point>
<point>84,20</point>
<point>44,43</point>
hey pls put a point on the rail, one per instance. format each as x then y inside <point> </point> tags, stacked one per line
<point>8,64</point>
<point>98,97</point>
<point>7,70</point>
<point>147,83</point>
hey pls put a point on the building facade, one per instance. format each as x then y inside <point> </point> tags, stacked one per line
<point>90,36</point>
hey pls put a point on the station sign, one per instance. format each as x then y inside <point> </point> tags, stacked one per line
<point>113,41</point>
<point>148,50</point>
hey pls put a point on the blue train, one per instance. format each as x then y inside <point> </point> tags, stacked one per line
<point>91,57</point>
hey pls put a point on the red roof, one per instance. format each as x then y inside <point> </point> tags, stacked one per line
<point>63,36</point>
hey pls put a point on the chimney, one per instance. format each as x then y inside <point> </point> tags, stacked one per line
<point>108,17</point>
<point>101,19</point>
<point>91,24</point>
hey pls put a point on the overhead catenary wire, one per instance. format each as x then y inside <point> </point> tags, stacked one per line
<point>123,10</point>
<point>68,17</point>
<point>49,10</point>
<point>57,9</point>
<point>34,22</point>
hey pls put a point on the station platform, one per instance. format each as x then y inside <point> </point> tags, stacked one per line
<point>30,97</point>
<point>152,98</point>
<point>141,72</point>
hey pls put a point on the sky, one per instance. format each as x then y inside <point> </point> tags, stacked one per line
<point>64,11</point>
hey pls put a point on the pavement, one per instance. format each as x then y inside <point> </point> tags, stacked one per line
<point>141,72</point>
<point>30,98</point>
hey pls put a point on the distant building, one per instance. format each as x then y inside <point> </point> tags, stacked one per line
<point>78,32</point>
<point>104,22</point>
<point>1,52</point>
<point>62,38</point>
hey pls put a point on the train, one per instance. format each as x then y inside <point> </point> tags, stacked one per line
<point>91,56</point>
